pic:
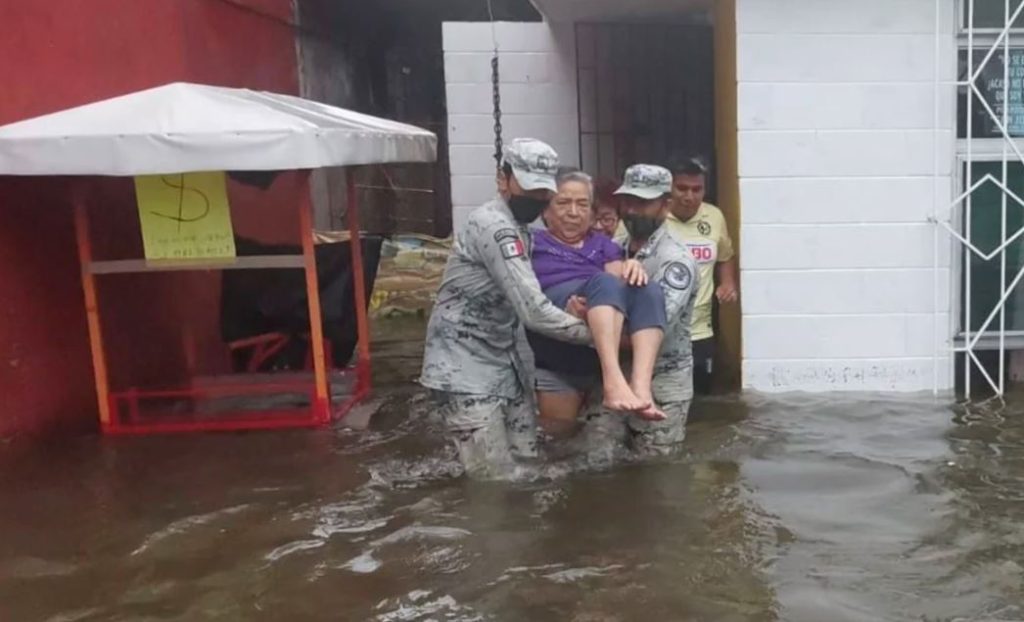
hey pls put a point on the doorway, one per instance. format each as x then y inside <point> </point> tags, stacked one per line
<point>654,91</point>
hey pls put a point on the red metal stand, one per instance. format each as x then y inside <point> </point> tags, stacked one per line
<point>363,369</point>
<point>139,411</point>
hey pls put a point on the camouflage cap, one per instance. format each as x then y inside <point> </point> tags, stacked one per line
<point>534,163</point>
<point>646,181</point>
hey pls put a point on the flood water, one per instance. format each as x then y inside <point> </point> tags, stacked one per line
<point>817,508</point>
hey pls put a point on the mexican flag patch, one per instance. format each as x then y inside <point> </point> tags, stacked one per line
<point>512,249</point>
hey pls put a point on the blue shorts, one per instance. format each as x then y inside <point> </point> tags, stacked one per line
<point>644,307</point>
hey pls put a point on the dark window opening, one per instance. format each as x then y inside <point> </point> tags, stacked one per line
<point>646,94</point>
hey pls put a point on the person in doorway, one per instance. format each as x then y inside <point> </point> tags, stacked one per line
<point>606,210</point>
<point>702,227</point>
<point>571,260</point>
<point>645,198</point>
<point>470,361</point>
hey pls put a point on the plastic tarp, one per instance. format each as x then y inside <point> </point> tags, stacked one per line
<point>411,268</point>
<point>184,127</point>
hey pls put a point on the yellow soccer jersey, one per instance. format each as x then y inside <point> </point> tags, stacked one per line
<point>708,239</point>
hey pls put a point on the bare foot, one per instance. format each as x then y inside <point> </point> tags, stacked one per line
<point>621,397</point>
<point>643,391</point>
<point>652,413</point>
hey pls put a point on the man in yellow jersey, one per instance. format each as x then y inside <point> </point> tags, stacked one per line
<point>702,226</point>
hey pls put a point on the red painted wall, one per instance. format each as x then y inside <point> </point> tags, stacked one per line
<point>61,53</point>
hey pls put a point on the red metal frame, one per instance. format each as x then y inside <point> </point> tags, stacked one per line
<point>121,412</point>
<point>129,417</point>
<point>358,285</point>
<point>264,347</point>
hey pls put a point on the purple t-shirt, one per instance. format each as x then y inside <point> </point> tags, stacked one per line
<point>556,262</point>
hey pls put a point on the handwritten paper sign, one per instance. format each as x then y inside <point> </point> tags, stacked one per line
<point>185,216</point>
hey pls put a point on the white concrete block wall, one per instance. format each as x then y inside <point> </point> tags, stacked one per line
<point>538,97</point>
<point>837,150</point>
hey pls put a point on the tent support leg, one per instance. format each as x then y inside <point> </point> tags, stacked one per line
<point>322,403</point>
<point>92,310</point>
<point>358,286</point>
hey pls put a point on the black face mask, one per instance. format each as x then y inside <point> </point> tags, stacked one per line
<point>641,227</point>
<point>526,209</point>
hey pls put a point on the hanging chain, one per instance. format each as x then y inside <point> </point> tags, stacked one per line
<point>496,85</point>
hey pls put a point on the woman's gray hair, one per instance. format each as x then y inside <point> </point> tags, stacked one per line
<point>566,176</point>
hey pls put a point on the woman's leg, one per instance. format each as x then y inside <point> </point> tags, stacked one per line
<point>558,412</point>
<point>559,402</point>
<point>605,306</point>
<point>646,309</point>
<point>646,345</point>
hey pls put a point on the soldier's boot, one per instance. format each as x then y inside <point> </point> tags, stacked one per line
<point>523,431</point>
<point>603,438</point>
<point>653,445</point>
<point>661,438</point>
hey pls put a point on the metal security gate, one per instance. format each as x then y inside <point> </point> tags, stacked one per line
<point>986,219</point>
<point>646,94</point>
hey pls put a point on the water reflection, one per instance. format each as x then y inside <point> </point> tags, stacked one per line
<point>783,508</point>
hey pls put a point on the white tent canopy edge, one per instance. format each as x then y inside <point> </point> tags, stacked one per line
<point>183,127</point>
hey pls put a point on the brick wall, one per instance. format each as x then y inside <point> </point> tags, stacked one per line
<point>837,169</point>
<point>538,96</point>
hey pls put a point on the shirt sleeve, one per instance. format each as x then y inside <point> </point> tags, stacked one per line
<point>504,256</point>
<point>725,248</point>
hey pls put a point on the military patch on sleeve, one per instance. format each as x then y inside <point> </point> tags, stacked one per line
<point>678,276</point>
<point>512,249</point>
<point>505,234</point>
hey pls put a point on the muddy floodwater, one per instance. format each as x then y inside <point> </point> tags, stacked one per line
<point>819,508</point>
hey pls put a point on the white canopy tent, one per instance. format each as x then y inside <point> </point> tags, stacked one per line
<point>185,127</point>
<point>182,128</point>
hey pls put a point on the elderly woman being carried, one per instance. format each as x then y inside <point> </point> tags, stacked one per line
<point>584,271</point>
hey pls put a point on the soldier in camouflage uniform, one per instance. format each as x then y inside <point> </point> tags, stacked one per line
<point>471,361</point>
<point>644,208</point>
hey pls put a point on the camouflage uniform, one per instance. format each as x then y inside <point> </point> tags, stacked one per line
<point>668,261</point>
<point>471,360</point>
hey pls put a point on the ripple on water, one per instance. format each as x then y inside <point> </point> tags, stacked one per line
<point>575,575</point>
<point>423,605</point>
<point>183,526</point>
<point>437,559</point>
<point>34,568</point>
<point>365,563</point>
<point>293,547</point>
<point>356,512</point>
<point>79,615</point>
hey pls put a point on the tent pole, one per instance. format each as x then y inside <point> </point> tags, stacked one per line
<point>358,284</point>
<point>92,310</point>
<point>322,405</point>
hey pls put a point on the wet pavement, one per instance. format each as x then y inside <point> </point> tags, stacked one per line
<point>817,508</point>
